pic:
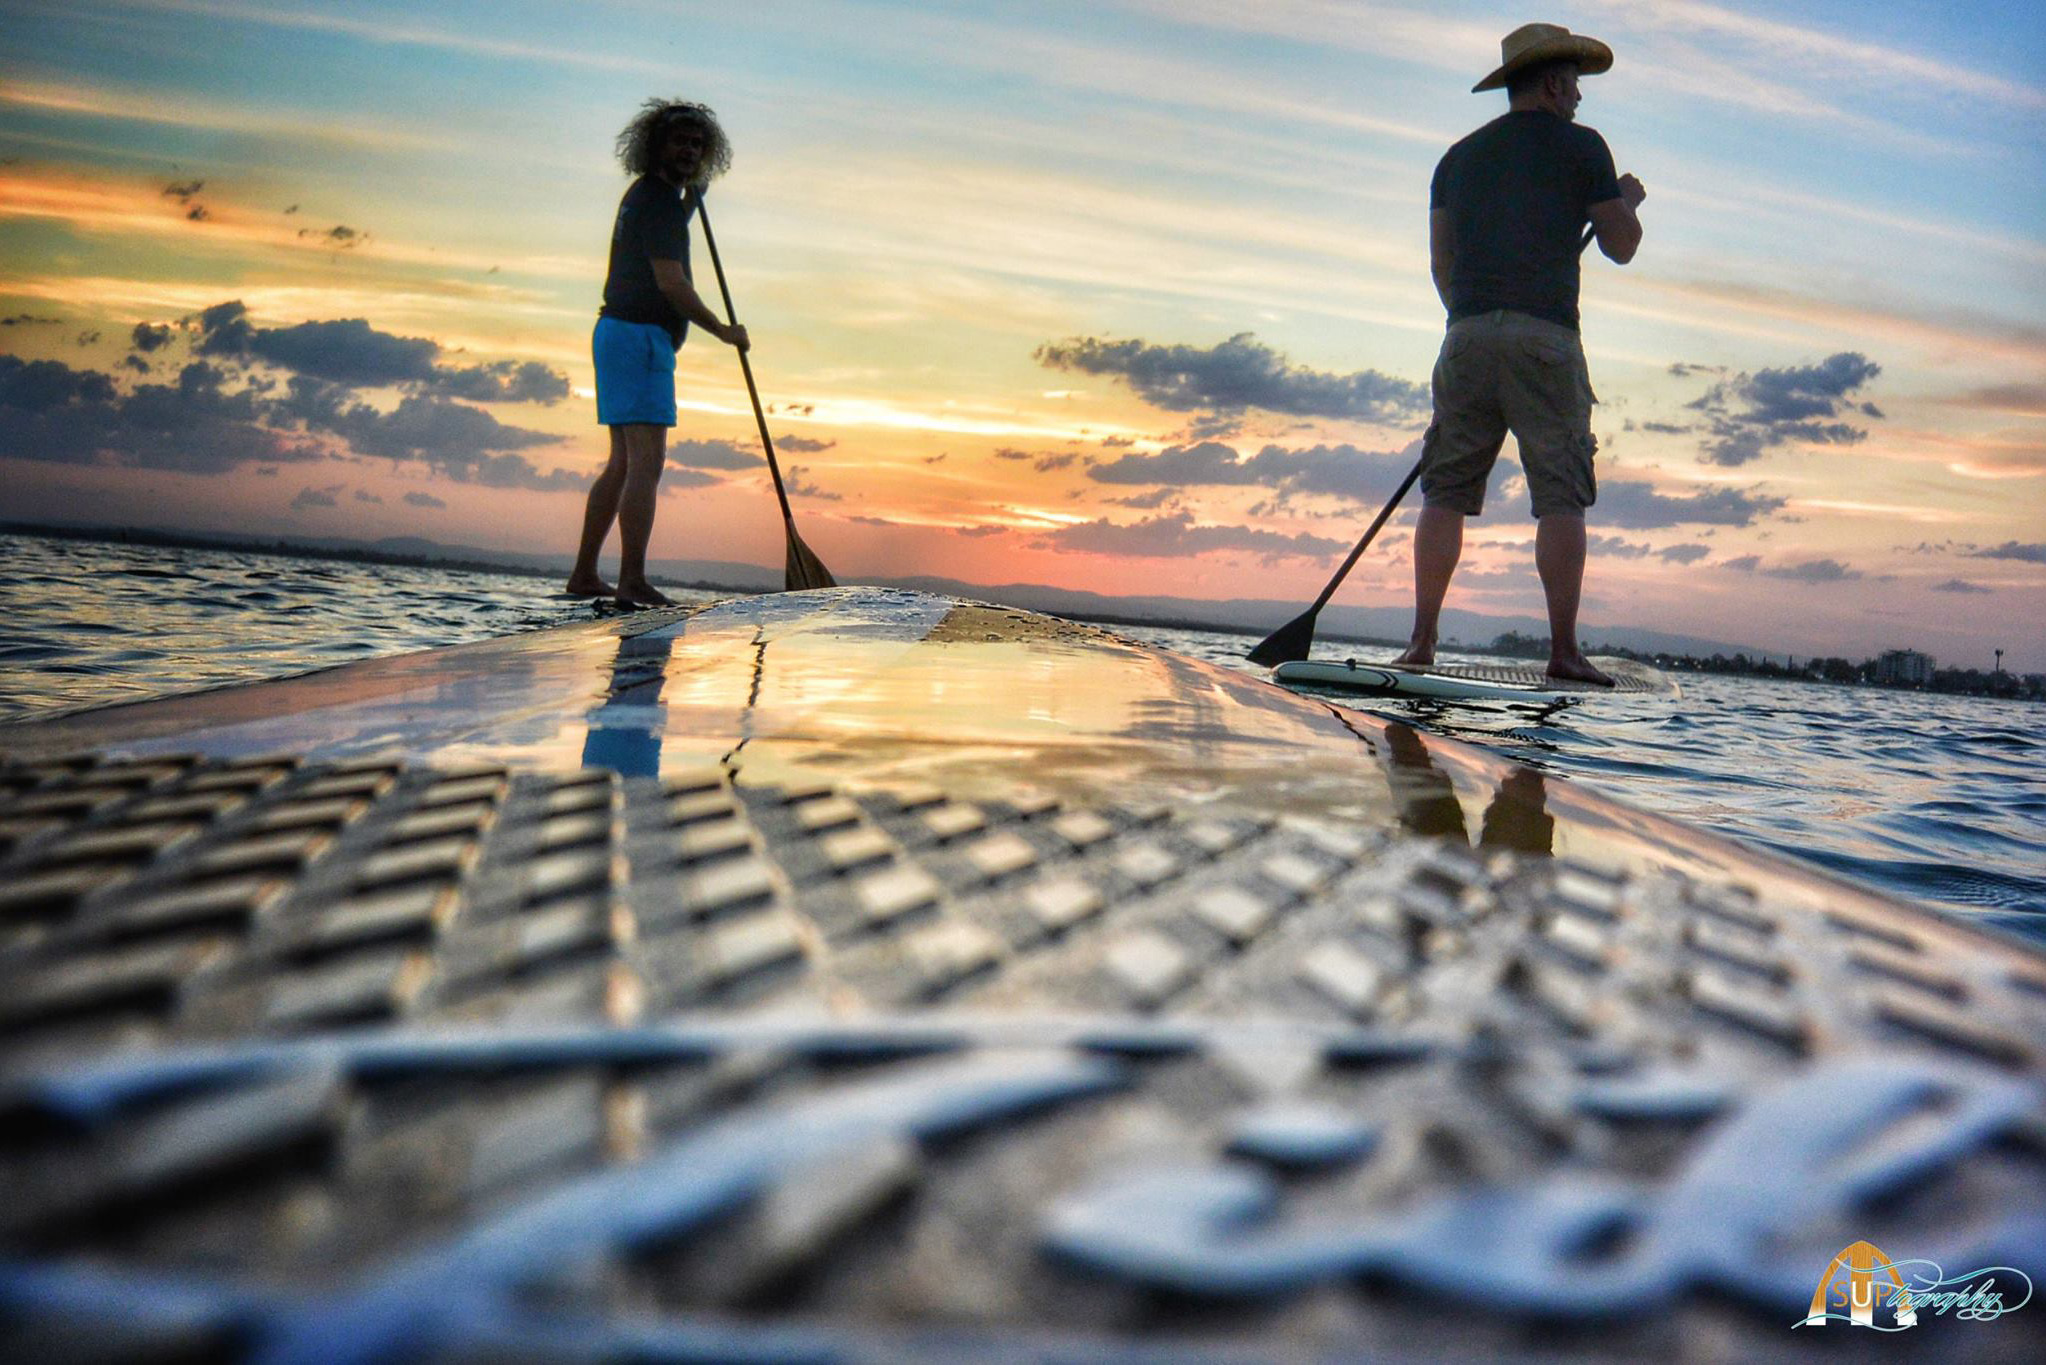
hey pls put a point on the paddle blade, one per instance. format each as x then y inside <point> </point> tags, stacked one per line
<point>804,570</point>
<point>1288,644</point>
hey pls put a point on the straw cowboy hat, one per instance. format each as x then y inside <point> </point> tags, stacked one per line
<point>1533,44</point>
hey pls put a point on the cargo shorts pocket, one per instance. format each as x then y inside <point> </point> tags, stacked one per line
<point>1560,372</point>
<point>1562,478</point>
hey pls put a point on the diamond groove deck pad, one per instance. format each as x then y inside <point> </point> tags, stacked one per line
<point>378,1060</point>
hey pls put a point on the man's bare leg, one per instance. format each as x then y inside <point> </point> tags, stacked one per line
<point>646,450</point>
<point>1438,544</point>
<point>583,579</point>
<point>1559,556</point>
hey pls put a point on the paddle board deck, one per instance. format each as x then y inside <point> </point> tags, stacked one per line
<point>1472,682</point>
<point>873,976</point>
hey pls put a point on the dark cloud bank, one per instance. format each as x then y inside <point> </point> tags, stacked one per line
<point>1176,535</point>
<point>1744,415</point>
<point>2012,549</point>
<point>1365,477</point>
<point>226,406</point>
<point>1235,375</point>
<point>1804,571</point>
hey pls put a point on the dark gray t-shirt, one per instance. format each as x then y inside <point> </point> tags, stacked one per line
<point>652,225</point>
<point>1519,191</point>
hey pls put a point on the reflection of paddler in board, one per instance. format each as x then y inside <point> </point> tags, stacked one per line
<point>649,303</point>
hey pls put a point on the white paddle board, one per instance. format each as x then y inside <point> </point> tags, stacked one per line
<point>1471,682</point>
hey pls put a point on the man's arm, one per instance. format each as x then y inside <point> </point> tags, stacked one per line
<point>1441,251</point>
<point>1617,225</point>
<point>675,284</point>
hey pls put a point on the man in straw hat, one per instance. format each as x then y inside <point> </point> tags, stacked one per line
<point>1505,213</point>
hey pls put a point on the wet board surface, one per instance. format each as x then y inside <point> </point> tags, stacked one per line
<point>1472,682</point>
<point>872,976</point>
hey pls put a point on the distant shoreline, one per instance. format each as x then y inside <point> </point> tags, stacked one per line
<point>287,549</point>
<point>1738,666</point>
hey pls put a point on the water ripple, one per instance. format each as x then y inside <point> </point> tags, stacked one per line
<point>1933,798</point>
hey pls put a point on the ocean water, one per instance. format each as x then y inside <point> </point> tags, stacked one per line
<point>1934,798</point>
<point>88,623</point>
<point>1938,799</point>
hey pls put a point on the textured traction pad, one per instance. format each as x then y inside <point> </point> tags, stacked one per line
<point>472,1063</point>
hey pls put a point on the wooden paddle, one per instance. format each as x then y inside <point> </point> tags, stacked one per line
<point>1293,640</point>
<point>803,569</point>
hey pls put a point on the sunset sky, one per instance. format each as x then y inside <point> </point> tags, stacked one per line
<point>1128,296</point>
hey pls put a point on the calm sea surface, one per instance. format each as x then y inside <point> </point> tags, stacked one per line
<point>1934,798</point>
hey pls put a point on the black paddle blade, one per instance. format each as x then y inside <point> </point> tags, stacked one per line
<point>803,569</point>
<point>1288,644</point>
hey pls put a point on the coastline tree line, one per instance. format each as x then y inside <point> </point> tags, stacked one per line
<point>1973,682</point>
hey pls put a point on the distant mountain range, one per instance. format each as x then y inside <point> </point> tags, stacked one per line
<point>1247,616</point>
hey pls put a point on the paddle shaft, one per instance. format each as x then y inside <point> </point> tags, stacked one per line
<point>1384,513</point>
<point>1399,494</point>
<point>745,365</point>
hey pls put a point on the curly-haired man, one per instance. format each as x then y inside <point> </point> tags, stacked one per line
<point>649,303</point>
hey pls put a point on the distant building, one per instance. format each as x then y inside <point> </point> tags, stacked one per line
<point>1904,668</point>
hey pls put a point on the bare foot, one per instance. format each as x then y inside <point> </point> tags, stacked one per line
<point>587,585</point>
<point>1577,668</point>
<point>641,593</point>
<point>1418,654</point>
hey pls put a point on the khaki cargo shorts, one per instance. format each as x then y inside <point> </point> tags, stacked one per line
<point>1506,371</point>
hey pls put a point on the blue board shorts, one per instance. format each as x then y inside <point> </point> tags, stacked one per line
<point>635,373</point>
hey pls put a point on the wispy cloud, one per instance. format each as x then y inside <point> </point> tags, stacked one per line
<point>387,31</point>
<point>1177,536</point>
<point>1418,36</point>
<point>1765,67</point>
<point>2024,399</point>
<point>1704,303</point>
<point>1820,55</point>
<point>232,227</point>
<point>137,106</point>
